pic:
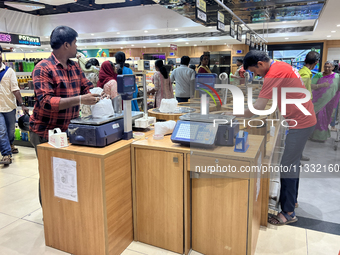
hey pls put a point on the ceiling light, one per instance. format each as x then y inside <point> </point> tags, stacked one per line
<point>284,21</point>
<point>158,44</point>
<point>31,50</point>
<point>132,45</point>
<point>195,44</point>
<point>176,29</point>
<point>92,34</point>
<point>144,47</point>
<point>46,48</point>
<point>145,31</point>
<point>46,37</point>
<point>287,38</point>
<point>225,43</point>
<point>333,31</point>
<point>338,25</point>
<point>121,48</point>
<point>329,36</point>
<point>186,43</point>
<point>118,33</point>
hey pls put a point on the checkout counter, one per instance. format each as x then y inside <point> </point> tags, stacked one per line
<point>151,191</point>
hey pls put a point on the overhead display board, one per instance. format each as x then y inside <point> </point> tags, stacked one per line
<point>20,39</point>
<point>248,38</point>
<point>232,29</point>
<point>201,11</point>
<point>239,33</point>
<point>220,22</point>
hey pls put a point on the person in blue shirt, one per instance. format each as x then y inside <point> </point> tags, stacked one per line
<point>120,60</point>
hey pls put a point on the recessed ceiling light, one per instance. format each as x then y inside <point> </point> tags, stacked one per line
<point>225,43</point>
<point>144,46</point>
<point>287,38</point>
<point>338,25</point>
<point>195,44</point>
<point>186,43</point>
<point>46,37</point>
<point>46,48</point>
<point>146,31</point>
<point>158,44</point>
<point>92,34</point>
<point>329,36</point>
<point>176,29</point>
<point>333,31</point>
<point>132,45</point>
<point>118,33</point>
<point>121,48</point>
<point>284,21</point>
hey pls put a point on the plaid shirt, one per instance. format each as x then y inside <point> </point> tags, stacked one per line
<point>51,83</point>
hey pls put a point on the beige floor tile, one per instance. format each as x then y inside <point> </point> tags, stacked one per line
<point>35,217</point>
<point>7,178</point>
<point>5,220</point>
<point>20,199</point>
<point>322,243</point>
<point>130,252</point>
<point>195,253</point>
<point>149,249</point>
<point>284,240</point>
<point>36,176</point>
<point>25,238</point>
<point>24,168</point>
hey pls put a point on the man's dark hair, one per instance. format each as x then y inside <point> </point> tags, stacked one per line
<point>253,57</point>
<point>185,60</point>
<point>61,35</point>
<point>0,48</point>
<point>240,60</point>
<point>312,57</point>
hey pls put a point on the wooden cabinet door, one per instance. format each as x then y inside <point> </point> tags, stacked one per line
<point>159,193</point>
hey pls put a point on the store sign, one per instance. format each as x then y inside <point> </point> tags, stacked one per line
<point>252,41</point>
<point>248,38</point>
<point>239,33</point>
<point>19,39</point>
<point>5,38</point>
<point>232,29</point>
<point>220,22</point>
<point>201,9</point>
<point>173,46</point>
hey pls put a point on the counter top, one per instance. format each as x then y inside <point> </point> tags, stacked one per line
<point>98,151</point>
<point>255,142</point>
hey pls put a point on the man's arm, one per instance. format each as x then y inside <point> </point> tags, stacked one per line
<point>44,91</point>
<point>16,90</point>
<point>17,95</point>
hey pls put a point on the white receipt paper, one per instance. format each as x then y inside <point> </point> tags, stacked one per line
<point>65,178</point>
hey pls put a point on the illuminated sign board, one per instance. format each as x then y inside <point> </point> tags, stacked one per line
<point>20,39</point>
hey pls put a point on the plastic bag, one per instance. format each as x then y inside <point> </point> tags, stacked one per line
<point>102,109</point>
<point>164,128</point>
<point>96,90</point>
<point>168,105</point>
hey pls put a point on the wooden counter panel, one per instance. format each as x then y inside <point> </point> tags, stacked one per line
<point>199,164</point>
<point>219,221</point>
<point>118,201</point>
<point>166,144</point>
<point>160,199</point>
<point>61,232</point>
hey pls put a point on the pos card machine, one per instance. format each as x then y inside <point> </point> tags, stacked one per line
<point>126,87</point>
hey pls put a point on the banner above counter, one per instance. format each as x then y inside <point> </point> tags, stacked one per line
<point>20,39</point>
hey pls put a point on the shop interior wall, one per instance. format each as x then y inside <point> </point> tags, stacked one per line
<point>191,51</point>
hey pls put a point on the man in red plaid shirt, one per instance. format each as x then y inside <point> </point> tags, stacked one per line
<point>60,87</point>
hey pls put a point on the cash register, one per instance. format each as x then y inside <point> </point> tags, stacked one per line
<point>204,129</point>
<point>99,132</point>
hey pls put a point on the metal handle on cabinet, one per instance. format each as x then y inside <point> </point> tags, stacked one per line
<point>175,159</point>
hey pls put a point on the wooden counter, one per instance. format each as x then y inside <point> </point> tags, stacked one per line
<point>101,221</point>
<point>225,211</point>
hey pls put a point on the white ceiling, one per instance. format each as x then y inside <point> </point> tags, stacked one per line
<point>157,20</point>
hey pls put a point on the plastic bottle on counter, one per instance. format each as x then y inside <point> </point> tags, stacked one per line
<point>17,135</point>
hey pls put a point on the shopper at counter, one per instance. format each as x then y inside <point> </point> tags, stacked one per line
<point>279,75</point>
<point>108,79</point>
<point>325,100</point>
<point>120,59</point>
<point>90,68</point>
<point>240,70</point>
<point>203,66</point>
<point>60,87</point>
<point>185,80</point>
<point>163,86</point>
<point>9,95</point>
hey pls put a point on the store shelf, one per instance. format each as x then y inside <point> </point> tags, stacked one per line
<point>23,73</point>
<point>22,143</point>
<point>30,91</point>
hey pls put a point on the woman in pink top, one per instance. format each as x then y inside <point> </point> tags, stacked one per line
<point>107,79</point>
<point>163,86</point>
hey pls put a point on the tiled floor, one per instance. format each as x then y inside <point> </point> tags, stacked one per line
<point>22,231</point>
